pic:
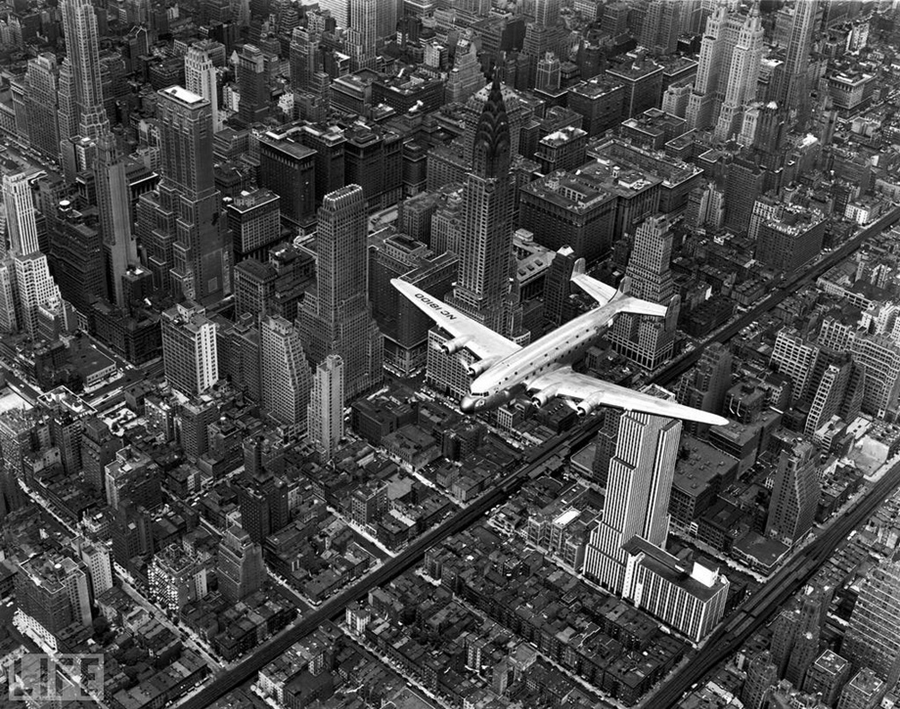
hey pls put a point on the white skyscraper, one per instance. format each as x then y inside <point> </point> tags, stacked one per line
<point>20,216</point>
<point>26,275</point>
<point>200,77</point>
<point>326,406</point>
<point>637,499</point>
<point>189,349</point>
<point>83,51</point>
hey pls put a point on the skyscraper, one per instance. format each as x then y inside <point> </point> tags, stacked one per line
<point>42,83</point>
<point>872,639</point>
<point>189,349</point>
<point>637,499</point>
<point>864,691</point>
<point>792,89</point>
<point>200,78</point>
<point>730,58</point>
<point>648,341</point>
<point>113,202</point>
<point>251,80</point>
<point>792,509</point>
<point>179,225</point>
<point>761,675</point>
<point>336,318</point>
<point>240,565</point>
<point>20,215</point>
<point>326,409</point>
<point>485,237</point>
<point>28,270</point>
<point>83,51</point>
<point>285,374</point>
<point>704,387</point>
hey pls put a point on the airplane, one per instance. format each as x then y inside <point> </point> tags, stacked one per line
<point>544,367</point>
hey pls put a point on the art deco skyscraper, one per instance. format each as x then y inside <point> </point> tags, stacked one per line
<point>637,499</point>
<point>113,199</point>
<point>872,639</point>
<point>795,496</point>
<point>285,374</point>
<point>241,570</point>
<point>792,88</point>
<point>179,225</point>
<point>337,318</point>
<point>83,50</point>
<point>485,238</point>
<point>251,80</point>
<point>326,409</point>
<point>200,77</point>
<point>648,341</point>
<point>730,55</point>
<point>34,287</point>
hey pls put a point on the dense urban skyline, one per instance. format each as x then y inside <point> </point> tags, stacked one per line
<point>470,354</point>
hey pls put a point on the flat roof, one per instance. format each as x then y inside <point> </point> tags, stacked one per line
<point>182,95</point>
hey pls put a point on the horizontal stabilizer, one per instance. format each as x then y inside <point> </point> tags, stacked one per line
<point>598,290</point>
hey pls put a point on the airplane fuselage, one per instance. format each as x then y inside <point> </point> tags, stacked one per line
<point>565,345</point>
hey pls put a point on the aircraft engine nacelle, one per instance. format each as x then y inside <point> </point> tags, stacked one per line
<point>585,407</point>
<point>455,345</point>
<point>542,397</point>
<point>478,368</point>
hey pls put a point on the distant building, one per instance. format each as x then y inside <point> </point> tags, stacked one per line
<point>872,639</point>
<point>177,577</point>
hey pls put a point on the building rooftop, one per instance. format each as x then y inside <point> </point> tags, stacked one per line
<point>182,95</point>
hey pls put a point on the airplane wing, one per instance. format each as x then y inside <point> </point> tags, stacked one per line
<point>591,393</point>
<point>481,340</point>
<point>598,290</point>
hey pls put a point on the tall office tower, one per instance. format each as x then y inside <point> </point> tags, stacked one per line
<point>792,91</point>
<point>827,676</point>
<point>179,224</point>
<point>254,223</point>
<point>466,77</point>
<point>240,569</point>
<point>648,341</point>
<point>96,559</point>
<point>113,202</point>
<point>662,25</point>
<point>799,624</point>
<point>704,387</point>
<point>42,84</point>
<point>730,55</point>
<point>796,358</point>
<point>304,58</point>
<point>77,255</point>
<point>21,224</point>
<point>744,183</point>
<point>83,50</point>
<point>762,674</point>
<point>288,169</point>
<point>637,495</point>
<point>67,124</point>
<point>336,318</point>
<point>740,88</point>
<point>326,407</point>
<point>375,20</point>
<point>792,509</point>
<point>28,269</point>
<point>864,691</point>
<point>200,78</point>
<point>189,349</point>
<point>52,594</point>
<point>253,106</point>
<point>546,12</point>
<point>285,374</point>
<point>839,393</point>
<point>548,73</point>
<point>485,236</point>
<point>872,639</point>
